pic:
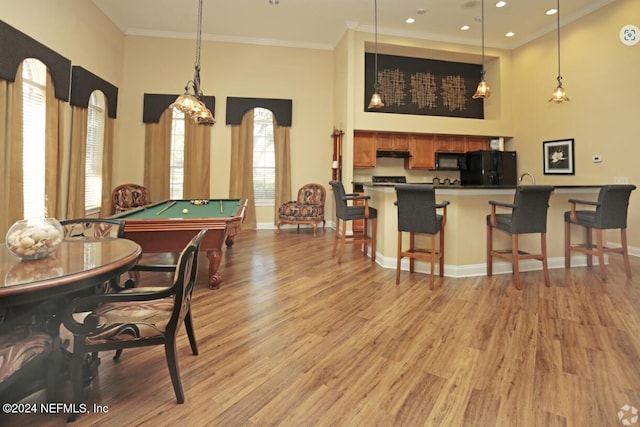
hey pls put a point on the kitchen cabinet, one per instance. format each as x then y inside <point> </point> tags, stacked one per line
<point>393,141</point>
<point>364,149</point>
<point>450,144</point>
<point>421,146</point>
<point>476,143</point>
<point>422,152</point>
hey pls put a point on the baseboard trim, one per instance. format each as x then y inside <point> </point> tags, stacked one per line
<point>471,270</point>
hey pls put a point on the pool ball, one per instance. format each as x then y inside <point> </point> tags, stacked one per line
<point>185,210</point>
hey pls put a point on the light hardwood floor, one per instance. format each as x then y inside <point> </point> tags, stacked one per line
<point>291,338</point>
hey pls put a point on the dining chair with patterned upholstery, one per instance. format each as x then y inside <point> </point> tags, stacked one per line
<point>92,228</point>
<point>135,318</point>
<point>26,356</point>
<point>95,228</point>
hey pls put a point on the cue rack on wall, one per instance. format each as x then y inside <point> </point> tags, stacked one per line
<point>336,165</point>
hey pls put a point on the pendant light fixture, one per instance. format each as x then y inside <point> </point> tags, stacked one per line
<point>483,90</point>
<point>192,104</point>
<point>376,99</point>
<point>559,95</point>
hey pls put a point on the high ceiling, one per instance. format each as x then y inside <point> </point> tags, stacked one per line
<point>321,23</point>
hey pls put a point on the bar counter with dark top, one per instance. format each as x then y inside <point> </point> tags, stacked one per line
<point>465,230</point>
<point>472,187</point>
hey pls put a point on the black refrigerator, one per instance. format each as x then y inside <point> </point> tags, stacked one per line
<point>490,168</point>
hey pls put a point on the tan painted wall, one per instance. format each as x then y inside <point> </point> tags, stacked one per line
<point>75,29</point>
<point>498,111</point>
<point>160,65</point>
<point>599,75</point>
<point>601,79</point>
<point>497,108</point>
<point>327,90</point>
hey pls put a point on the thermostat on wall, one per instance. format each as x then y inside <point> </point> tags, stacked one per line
<point>629,35</point>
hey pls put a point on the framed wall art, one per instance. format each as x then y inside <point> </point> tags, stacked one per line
<point>558,157</point>
<point>424,86</point>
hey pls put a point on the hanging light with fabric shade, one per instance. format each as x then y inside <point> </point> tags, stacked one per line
<point>559,95</point>
<point>376,99</point>
<point>483,90</point>
<point>191,102</point>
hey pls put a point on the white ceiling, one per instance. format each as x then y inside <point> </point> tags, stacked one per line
<point>321,23</point>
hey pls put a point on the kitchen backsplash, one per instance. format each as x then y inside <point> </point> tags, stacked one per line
<point>395,167</point>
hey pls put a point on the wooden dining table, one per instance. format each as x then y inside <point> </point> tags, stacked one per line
<point>77,264</point>
<point>36,291</point>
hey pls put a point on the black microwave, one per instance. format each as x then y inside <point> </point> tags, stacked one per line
<point>451,161</point>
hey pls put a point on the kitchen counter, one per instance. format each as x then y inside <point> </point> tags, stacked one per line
<point>472,187</point>
<point>465,230</point>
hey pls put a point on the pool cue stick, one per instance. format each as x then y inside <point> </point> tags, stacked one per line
<point>171,204</point>
<point>221,207</point>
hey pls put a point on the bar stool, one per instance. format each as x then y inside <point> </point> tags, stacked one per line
<point>345,213</point>
<point>528,215</point>
<point>417,215</point>
<point>610,213</point>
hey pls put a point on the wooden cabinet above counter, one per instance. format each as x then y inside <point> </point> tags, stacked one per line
<point>421,146</point>
<point>392,141</point>
<point>364,149</point>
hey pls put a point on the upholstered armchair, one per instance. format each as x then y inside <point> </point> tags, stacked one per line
<point>129,196</point>
<point>307,209</point>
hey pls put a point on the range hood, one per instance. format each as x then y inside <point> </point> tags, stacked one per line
<point>393,154</point>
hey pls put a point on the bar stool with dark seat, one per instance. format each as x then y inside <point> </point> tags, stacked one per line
<point>345,213</point>
<point>528,215</point>
<point>417,215</point>
<point>610,213</point>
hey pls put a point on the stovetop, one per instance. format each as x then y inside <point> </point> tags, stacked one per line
<point>388,179</point>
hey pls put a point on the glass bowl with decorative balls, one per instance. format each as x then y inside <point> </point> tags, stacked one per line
<point>34,238</point>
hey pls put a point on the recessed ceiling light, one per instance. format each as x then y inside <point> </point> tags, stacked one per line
<point>501,4</point>
<point>421,11</point>
<point>410,20</point>
<point>510,34</point>
<point>551,12</point>
<point>465,27</point>
<point>274,2</point>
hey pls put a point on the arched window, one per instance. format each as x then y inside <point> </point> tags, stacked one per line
<point>264,158</point>
<point>94,150</point>
<point>176,162</point>
<point>34,82</point>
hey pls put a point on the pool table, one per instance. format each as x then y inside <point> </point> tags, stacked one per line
<point>163,227</point>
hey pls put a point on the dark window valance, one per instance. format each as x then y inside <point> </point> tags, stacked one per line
<point>155,104</point>
<point>84,82</point>
<point>237,107</point>
<point>16,46</point>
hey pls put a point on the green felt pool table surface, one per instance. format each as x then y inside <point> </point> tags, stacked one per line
<point>163,227</point>
<point>214,208</point>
